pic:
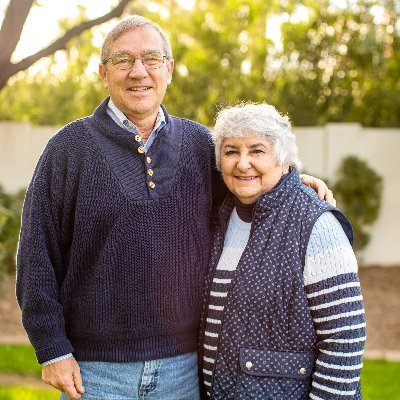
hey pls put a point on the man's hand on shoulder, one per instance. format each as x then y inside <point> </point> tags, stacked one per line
<point>65,376</point>
<point>320,187</point>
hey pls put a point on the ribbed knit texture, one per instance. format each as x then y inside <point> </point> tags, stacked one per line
<point>108,268</point>
<point>336,306</point>
<point>244,211</point>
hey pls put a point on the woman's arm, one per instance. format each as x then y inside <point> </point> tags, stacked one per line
<point>336,306</point>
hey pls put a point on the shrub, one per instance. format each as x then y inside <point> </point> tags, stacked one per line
<point>10,222</point>
<point>359,191</point>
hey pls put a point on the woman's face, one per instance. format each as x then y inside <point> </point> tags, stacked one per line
<point>249,167</point>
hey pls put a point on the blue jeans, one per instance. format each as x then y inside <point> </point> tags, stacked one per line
<point>172,378</point>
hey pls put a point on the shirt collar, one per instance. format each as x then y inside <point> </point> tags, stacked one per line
<point>120,118</point>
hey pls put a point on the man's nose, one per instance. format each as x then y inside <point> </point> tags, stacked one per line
<point>138,70</point>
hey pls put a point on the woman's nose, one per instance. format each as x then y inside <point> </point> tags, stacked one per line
<point>243,163</point>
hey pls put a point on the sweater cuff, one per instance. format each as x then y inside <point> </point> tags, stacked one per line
<point>56,351</point>
<point>54,360</point>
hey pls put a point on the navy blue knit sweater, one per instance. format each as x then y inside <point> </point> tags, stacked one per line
<point>109,268</point>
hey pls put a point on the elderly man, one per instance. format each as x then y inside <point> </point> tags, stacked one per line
<point>115,235</point>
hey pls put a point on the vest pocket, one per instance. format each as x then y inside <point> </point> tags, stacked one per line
<point>274,374</point>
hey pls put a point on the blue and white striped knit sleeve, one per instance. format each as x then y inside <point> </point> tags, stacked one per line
<point>336,306</point>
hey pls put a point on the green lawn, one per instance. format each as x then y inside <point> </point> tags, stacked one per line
<point>380,379</point>
<point>19,359</point>
<point>19,393</point>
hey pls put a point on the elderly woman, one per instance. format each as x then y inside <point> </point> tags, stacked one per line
<point>283,315</point>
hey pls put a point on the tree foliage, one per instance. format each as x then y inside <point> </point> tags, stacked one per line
<point>359,190</point>
<point>341,65</point>
<point>334,65</point>
<point>56,95</point>
<point>220,50</point>
<point>10,221</point>
<point>13,24</point>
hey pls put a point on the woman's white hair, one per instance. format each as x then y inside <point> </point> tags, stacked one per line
<point>130,24</point>
<point>260,119</point>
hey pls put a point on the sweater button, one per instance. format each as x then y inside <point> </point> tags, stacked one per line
<point>150,172</point>
<point>302,371</point>
<point>138,138</point>
<point>140,149</point>
<point>148,159</point>
<point>152,185</point>
<point>249,365</point>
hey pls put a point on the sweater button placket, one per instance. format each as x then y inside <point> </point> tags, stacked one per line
<point>150,172</point>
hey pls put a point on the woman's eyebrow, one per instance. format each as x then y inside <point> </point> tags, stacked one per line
<point>257,145</point>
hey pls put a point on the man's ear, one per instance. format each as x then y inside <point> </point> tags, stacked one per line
<point>103,74</point>
<point>170,67</point>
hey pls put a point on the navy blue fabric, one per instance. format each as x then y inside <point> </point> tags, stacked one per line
<point>285,364</point>
<point>266,317</point>
<point>108,268</point>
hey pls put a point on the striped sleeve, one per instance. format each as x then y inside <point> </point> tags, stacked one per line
<point>336,306</point>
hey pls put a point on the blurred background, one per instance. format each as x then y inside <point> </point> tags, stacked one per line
<point>332,65</point>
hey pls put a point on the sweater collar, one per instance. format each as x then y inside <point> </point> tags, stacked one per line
<point>107,124</point>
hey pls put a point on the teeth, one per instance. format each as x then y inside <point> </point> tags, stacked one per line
<point>139,89</point>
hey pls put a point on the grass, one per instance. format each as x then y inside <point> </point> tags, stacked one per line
<point>380,379</point>
<point>19,393</point>
<point>19,359</point>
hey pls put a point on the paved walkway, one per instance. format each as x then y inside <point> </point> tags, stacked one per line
<point>26,381</point>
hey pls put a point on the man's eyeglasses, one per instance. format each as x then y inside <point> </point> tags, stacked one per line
<point>125,61</point>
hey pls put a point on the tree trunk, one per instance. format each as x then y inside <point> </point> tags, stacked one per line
<point>10,33</point>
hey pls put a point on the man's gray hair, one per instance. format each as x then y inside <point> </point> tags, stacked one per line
<point>257,119</point>
<point>129,24</point>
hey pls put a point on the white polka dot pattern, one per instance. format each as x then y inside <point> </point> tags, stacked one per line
<point>268,347</point>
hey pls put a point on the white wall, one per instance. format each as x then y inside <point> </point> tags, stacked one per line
<point>321,151</point>
<point>20,147</point>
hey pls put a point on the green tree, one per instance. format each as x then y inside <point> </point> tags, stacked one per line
<point>220,50</point>
<point>340,65</point>
<point>10,220</point>
<point>13,24</point>
<point>336,66</point>
<point>54,97</point>
<point>359,190</point>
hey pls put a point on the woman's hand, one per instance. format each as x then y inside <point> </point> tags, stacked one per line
<point>320,187</point>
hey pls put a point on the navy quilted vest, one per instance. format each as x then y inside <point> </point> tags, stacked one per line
<point>266,347</point>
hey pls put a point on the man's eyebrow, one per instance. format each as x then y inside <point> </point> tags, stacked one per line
<point>151,51</point>
<point>128,53</point>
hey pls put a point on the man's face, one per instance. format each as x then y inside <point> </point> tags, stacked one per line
<point>137,92</point>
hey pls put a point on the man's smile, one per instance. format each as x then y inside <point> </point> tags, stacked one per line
<point>139,88</point>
